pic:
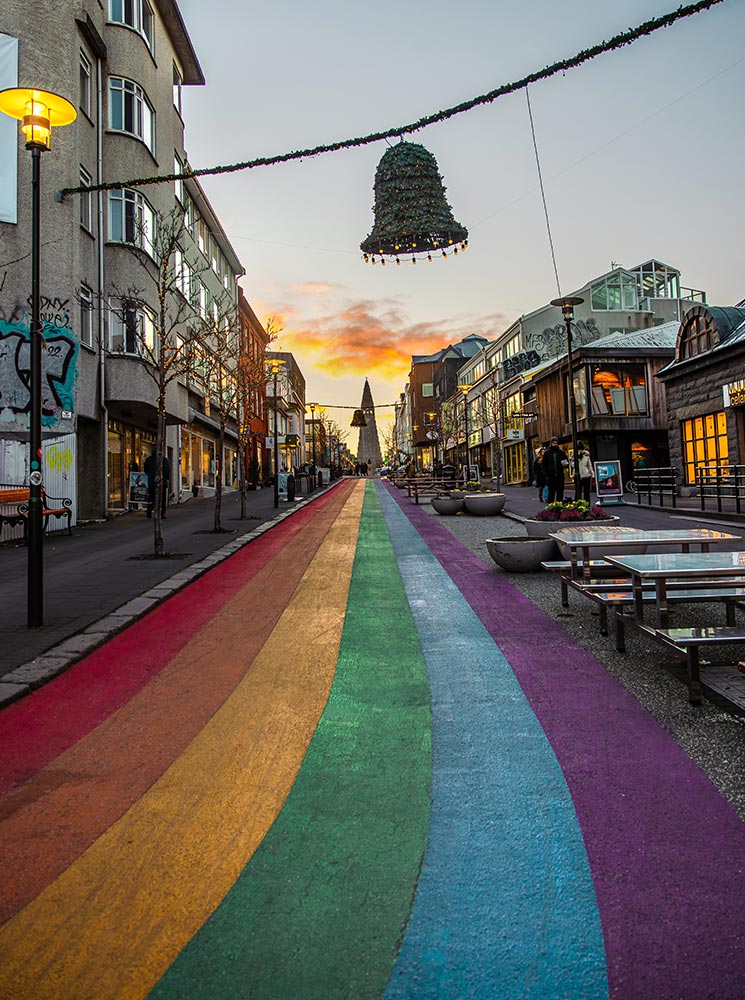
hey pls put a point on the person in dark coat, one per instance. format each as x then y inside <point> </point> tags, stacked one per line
<point>150,468</point>
<point>554,463</point>
<point>540,476</point>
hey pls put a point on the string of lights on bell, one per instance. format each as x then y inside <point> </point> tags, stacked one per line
<point>452,247</point>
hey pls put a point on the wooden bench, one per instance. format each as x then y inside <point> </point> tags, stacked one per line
<point>429,488</point>
<point>14,508</point>
<point>687,642</point>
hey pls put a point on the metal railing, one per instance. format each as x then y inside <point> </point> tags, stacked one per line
<point>724,484</point>
<point>660,481</point>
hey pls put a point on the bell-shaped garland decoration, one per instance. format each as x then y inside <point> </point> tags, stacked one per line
<point>411,213</point>
<point>358,420</point>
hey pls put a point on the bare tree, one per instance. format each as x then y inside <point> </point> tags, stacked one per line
<point>216,365</point>
<point>164,339</point>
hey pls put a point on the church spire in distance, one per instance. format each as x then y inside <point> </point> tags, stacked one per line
<point>368,447</point>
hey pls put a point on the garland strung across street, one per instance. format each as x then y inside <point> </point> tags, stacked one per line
<point>617,42</point>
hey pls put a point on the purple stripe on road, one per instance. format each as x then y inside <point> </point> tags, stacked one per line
<point>667,851</point>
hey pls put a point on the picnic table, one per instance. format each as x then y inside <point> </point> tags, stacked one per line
<point>580,542</point>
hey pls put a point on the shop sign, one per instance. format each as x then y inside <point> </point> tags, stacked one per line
<point>292,440</point>
<point>734,393</point>
<point>608,484</point>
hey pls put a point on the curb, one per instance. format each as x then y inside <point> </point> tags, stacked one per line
<point>34,673</point>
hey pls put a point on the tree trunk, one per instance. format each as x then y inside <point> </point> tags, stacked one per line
<point>219,477</point>
<point>160,440</point>
<point>244,482</point>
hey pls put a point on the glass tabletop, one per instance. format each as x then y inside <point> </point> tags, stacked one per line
<point>681,563</point>
<point>599,536</point>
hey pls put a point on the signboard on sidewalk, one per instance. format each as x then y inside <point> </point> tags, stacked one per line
<point>138,489</point>
<point>608,484</point>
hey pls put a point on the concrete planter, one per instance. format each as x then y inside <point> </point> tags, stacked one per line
<point>447,505</point>
<point>542,529</point>
<point>521,554</point>
<point>484,504</point>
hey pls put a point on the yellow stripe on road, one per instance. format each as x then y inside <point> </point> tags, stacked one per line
<point>115,920</point>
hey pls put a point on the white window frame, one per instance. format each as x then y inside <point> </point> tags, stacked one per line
<point>130,111</point>
<point>86,201</point>
<point>178,168</point>
<point>177,85</point>
<point>86,80</point>
<point>132,330</point>
<point>86,316</point>
<point>135,14</point>
<point>131,219</point>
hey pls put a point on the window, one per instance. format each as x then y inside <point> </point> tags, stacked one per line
<point>86,316</point>
<point>178,168</point>
<point>616,292</point>
<point>86,212</point>
<point>85,84</point>
<point>136,14</point>
<point>183,273</point>
<point>620,390</point>
<point>177,81</point>
<point>131,219</point>
<point>427,389</point>
<point>698,335</point>
<point>130,111</point>
<point>705,444</point>
<point>131,329</point>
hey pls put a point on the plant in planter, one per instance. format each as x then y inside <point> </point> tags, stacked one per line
<point>569,514</point>
<point>572,511</point>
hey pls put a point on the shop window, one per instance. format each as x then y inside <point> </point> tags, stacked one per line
<point>705,444</point>
<point>620,390</point>
<point>514,464</point>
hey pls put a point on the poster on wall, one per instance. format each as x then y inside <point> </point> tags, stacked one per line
<point>608,484</point>
<point>8,133</point>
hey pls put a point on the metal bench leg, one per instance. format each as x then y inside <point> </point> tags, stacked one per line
<point>603,620</point>
<point>694,679</point>
<point>564,593</point>
<point>620,632</point>
<point>730,606</point>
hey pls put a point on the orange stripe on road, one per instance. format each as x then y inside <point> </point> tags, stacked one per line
<point>113,922</point>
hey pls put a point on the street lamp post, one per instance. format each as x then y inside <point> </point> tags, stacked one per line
<point>465,389</point>
<point>38,111</point>
<point>275,365</point>
<point>313,444</point>
<point>567,308</point>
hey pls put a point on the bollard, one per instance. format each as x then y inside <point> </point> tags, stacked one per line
<point>320,479</point>
<point>290,488</point>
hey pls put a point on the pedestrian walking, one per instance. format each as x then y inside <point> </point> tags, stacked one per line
<point>540,475</point>
<point>150,468</point>
<point>554,463</point>
<point>585,475</point>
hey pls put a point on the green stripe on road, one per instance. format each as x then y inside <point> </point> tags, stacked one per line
<point>320,910</point>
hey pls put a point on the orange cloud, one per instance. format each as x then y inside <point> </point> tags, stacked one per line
<point>364,339</point>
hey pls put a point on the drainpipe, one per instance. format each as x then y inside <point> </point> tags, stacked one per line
<point>101,292</point>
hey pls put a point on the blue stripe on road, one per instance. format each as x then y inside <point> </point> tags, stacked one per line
<point>505,908</point>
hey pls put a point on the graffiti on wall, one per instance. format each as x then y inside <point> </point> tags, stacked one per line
<point>59,363</point>
<point>552,341</point>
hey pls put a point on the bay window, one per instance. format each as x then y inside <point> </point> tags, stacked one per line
<point>131,219</point>
<point>131,329</point>
<point>130,111</point>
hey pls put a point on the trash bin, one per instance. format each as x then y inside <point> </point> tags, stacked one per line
<point>448,472</point>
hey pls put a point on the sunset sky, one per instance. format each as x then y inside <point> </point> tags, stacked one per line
<point>641,152</point>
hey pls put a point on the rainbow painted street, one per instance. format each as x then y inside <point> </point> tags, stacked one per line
<point>351,761</point>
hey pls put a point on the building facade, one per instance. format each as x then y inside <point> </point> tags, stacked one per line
<point>123,66</point>
<point>705,393</point>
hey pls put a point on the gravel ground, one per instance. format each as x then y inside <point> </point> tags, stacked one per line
<point>713,735</point>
